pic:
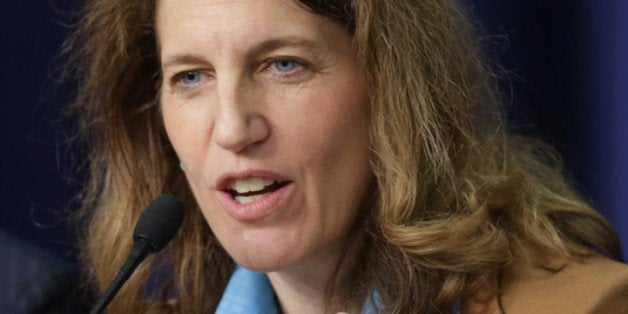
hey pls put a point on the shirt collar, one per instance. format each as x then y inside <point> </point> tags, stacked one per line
<point>251,292</point>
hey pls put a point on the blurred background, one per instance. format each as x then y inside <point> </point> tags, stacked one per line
<point>567,65</point>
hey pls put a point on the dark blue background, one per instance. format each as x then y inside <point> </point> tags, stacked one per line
<point>568,64</point>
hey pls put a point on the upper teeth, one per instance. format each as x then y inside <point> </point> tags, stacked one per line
<point>250,184</point>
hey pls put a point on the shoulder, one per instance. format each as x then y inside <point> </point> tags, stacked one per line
<point>593,285</point>
<point>34,280</point>
<point>579,286</point>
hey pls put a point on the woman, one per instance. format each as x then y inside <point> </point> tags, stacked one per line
<point>333,156</point>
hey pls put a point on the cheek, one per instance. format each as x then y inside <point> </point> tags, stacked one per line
<point>185,129</point>
<point>337,127</point>
<point>173,122</point>
<point>332,142</point>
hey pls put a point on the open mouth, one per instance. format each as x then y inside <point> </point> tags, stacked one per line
<point>249,190</point>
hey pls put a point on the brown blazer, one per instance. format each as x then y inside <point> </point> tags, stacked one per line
<point>595,285</point>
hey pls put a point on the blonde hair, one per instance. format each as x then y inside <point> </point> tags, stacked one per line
<point>455,197</point>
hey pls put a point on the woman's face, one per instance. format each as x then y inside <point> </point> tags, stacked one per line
<point>268,110</point>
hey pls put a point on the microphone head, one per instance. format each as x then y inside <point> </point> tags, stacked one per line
<point>159,222</point>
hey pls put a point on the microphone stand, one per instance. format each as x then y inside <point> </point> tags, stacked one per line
<point>141,249</point>
<point>156,226</point>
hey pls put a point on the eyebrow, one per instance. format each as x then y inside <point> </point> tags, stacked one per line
<point>263,47</point>
<point>186,58</point>
<point>274,44</point>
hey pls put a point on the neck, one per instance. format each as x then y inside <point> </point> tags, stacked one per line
<point>300,292</point>
<point>301,289</point>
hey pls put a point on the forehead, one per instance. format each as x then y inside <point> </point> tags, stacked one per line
<point>218,16</point>
<point>228,26</point>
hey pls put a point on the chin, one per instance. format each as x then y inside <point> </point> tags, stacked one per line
<point>264,261</point>
<point>265,250</point>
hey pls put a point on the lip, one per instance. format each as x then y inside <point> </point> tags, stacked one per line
<point>257,210</point>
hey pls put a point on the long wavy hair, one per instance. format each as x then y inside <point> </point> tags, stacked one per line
<point>456,198</point>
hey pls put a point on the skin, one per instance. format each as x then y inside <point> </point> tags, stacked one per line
<point>268,88</point>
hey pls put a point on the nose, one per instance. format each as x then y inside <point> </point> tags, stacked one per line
<point>239,123</point>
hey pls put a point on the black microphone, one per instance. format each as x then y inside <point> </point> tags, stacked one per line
<point>155,228</point>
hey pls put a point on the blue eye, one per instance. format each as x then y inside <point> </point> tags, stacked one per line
<point>285,65</point>
<point>191,77</point>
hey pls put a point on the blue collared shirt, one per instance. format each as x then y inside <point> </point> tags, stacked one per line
<point>251,292</point>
